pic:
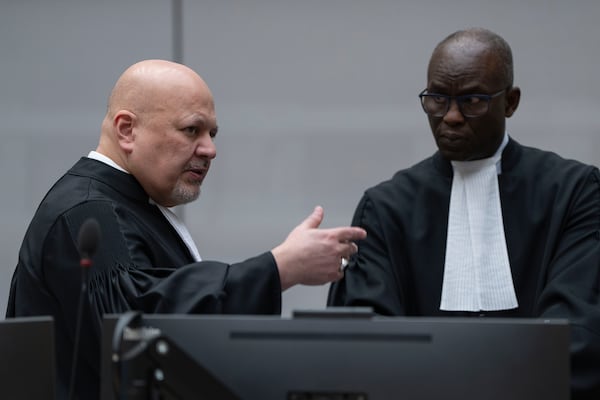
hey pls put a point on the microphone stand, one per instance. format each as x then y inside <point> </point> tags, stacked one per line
<point>85,263</point>
<point>87,242</point>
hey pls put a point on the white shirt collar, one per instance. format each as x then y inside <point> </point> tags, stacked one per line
<point>497,155</point>
<point>94,155</point>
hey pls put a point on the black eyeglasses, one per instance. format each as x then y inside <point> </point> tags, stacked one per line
<point>470,105</point>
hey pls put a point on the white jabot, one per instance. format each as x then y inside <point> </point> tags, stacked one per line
<point>173,219</point>
<point>181,229</point>
<point>477,274</point>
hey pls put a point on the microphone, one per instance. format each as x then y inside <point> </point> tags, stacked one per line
<point>87,243</point>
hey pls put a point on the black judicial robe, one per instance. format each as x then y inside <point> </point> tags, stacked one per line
<point>141,263</point>
<point>551,213</point>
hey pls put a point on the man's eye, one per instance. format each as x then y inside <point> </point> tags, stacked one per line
<point>191,130</point>
<point>471,100</point>
<point>439,99</point>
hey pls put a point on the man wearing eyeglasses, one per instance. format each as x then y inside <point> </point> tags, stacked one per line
<point>485,226</point>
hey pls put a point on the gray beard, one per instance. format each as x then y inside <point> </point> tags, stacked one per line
<point>181,195</point>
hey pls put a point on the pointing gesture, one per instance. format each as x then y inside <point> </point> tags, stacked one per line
<point>312,256</point>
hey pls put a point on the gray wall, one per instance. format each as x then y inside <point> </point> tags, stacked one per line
<point>317,100</point>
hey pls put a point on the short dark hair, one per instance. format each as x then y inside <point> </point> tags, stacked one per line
<point>494,43</point>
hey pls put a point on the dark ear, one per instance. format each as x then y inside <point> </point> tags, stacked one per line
<point>513,96</point>
<point>124,122</point>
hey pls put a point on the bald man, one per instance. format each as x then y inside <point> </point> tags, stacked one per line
<point>156,147</point>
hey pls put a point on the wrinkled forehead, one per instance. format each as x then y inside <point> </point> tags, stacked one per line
<point>463,63</point>
<point>181,97</point>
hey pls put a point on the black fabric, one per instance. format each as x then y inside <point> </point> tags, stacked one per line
<point>551,212</point>
<point>141,264</point>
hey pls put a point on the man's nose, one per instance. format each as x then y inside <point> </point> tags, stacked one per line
<point>205,147</point>
<point>454,115</point>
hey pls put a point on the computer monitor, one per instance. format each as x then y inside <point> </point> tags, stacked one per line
<point>375,358</point>
<point>27,358</point>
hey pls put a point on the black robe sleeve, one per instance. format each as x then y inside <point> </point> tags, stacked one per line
<point>571,283</point>
<point>370,279</point>
<point>140,264</point>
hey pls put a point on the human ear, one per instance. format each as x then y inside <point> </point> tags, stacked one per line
<point>513,96</point>
<point>124,122</point>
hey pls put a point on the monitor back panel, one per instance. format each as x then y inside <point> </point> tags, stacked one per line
<point>381,358</point>
<point>27,352</point>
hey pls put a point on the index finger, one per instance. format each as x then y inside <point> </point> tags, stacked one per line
<point>349,233</point>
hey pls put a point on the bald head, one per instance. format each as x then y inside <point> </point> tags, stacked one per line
<point>144,90</point>
<point>159,127</point>
<point>143,83</point>
<point>474,43</point>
